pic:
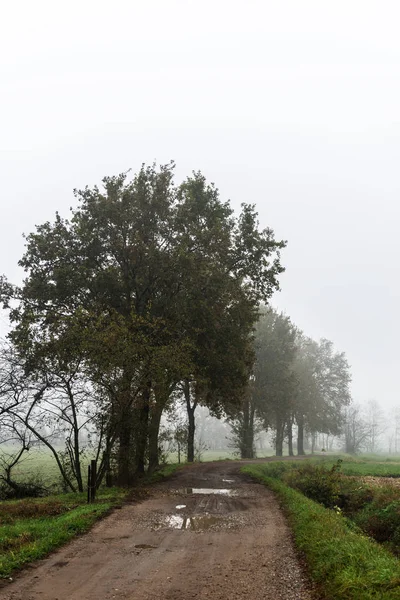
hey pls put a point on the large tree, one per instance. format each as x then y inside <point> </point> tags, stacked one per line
<point>270,393</point>
<point>155,286</point>
<point>274,380</point>
<point>295,380</point>
<point>323,388</point>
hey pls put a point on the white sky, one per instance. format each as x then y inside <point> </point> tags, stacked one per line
<point>293,105</point>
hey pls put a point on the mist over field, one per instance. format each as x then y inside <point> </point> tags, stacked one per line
<point>198,296</point>
<point>291,106</point>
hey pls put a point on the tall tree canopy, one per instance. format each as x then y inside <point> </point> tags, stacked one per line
<point>153,286</point>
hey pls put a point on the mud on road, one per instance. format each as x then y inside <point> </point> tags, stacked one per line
<point>207,532</point>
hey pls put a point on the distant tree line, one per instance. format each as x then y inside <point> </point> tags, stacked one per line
<point>296,384</point>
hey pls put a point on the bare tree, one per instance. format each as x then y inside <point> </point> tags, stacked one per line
<point>375,420</point>
<point>56,408</point>
<point>356,429</point>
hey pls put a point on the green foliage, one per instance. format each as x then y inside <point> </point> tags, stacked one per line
<point>316,482</point>
<point>344,564</point>
<point>294,379</point>
<point>374,509</point>
<point>323,379</point>
<point>274,384</point>
<point>147,285</point>
<point>380,518</point>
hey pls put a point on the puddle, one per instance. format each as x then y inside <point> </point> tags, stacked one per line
<point>205,491</point>
<point>199,523</point>
<point>180,506</point>
<point>228,480</point>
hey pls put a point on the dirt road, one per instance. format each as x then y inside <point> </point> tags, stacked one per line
<point>208,532</point>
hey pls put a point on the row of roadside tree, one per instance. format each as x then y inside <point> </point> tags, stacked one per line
<point>148,295</point>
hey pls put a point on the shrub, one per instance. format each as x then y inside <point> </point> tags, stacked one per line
<point>382,522</point>
<point>316,482</point>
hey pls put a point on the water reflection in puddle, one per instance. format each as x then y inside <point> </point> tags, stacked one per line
<point>180,506</point>
<point>221,492</point>
<point>198,523</point>
<point>228,480</point>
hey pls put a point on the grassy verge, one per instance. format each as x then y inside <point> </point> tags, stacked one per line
<point>345,564</point>
<point>31,528</point>
<point>162,473</point>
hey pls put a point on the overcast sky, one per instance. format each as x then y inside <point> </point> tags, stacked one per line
<point>290,104</point>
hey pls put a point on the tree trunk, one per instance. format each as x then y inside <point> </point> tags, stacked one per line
<point>191,432</point>
<point>78,469</point>
<point>247,433</point>
<point>300,436</point>
<point>142,429</point>
<point>280,428</point>
<point>154,428</point>
<point>290,436</point>
<point>312,443</point>
<point>124,477</point>
<point>75,454</point>
<point>108,472</point>
<point>191,421</point>
<point>124,425</point>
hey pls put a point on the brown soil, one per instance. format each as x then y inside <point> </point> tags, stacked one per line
<point>187,540</point>
<point>380,481</point>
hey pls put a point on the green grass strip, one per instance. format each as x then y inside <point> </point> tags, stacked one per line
<point>344,564</point>
<point>28,539</point>
<point>362,467</point>
<point>30,529</point>
<point>162,473</point>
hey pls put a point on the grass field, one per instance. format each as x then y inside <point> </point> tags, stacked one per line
<point>38,464</point>
<point>379,466</point>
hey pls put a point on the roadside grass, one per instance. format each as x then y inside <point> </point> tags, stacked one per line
<point>344,563</point>
<point>33,527</point>
<point>163,473</point>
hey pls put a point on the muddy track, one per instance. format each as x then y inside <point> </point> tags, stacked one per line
<point>208,532</point>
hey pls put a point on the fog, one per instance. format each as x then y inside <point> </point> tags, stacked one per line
<point>290,105</point>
